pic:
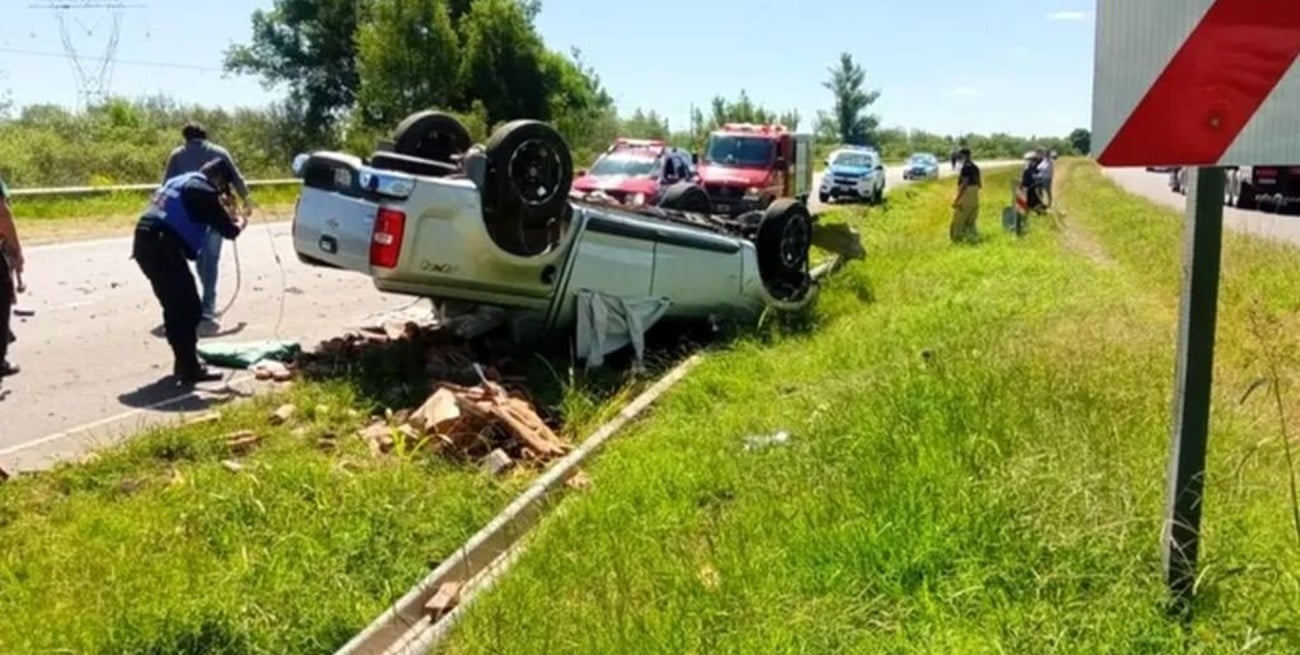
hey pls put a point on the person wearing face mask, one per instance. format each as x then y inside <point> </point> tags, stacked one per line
<point>172,232</point>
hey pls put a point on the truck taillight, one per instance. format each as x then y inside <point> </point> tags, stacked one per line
<point>386,240</point>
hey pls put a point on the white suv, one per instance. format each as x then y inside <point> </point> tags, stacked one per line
<point>854,172</point>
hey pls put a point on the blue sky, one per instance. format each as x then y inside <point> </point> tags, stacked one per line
<point>942,65</point>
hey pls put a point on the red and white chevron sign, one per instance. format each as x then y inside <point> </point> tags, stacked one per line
<point>1197,82</point>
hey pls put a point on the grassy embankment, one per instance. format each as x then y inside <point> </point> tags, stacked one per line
<point>158,546</point>
<point>976,463</point>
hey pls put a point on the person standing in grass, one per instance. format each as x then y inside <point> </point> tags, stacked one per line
<point>1046,170</point>
<point>196,152</point>
<point>966,206</point>
<point>11,267</point>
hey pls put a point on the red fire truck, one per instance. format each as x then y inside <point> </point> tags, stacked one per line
<point>747,166</point>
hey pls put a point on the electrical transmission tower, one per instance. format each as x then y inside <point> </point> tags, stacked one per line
<point>94,74</point>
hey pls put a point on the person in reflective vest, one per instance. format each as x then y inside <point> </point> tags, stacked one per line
<point>172,232</point>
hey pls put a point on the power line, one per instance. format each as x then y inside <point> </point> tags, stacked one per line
<point>145,64</point>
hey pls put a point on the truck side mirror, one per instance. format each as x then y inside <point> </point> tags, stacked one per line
<point>780,162</point>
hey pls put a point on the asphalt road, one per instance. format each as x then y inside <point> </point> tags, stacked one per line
<point>1155,187</point>
<point>93,356</point>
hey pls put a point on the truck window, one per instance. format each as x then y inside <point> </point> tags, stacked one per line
<point>746,151</point>
<point>630,166</point>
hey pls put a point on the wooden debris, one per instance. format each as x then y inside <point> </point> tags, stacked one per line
<point>206,417</point>
<point>472,410</point>
<point>282,414</point>
<point>269,369</point>
<point>578,481</point>
<point>240,443</point>
<point>445,600</point>
<point>232,466</point>
<point>379,437</point>
<point>439,415</point>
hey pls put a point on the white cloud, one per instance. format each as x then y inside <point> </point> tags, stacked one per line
<point>1067,15</point>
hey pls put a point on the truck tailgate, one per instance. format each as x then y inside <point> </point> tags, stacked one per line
<point>333,221</point>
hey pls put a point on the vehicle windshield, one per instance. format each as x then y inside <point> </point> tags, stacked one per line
<point>745,151</point>
<point>922,159</point>
<point>854,159</point>
<point>630,166</point>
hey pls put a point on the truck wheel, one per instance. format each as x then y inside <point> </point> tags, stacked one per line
<point>1246,197</point>
<point>431,135</point>
<point>783,243</point>
<point>530,170</point>
<point>687,197</point>
<point>824,198</point>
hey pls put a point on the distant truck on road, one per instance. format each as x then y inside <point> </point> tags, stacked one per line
<point>1273,188</point>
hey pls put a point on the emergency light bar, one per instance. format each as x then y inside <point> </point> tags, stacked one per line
<point>752,127</point>
<point>639,143</point>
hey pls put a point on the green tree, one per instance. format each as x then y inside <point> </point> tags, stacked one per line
<point>645,125</point>
<point>1080,141</point>
<point>405,52</point>
<point>309,46</point>
<point>502,61</point>
<point>851,101</point>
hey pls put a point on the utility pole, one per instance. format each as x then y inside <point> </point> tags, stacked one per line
<point>95,75</point>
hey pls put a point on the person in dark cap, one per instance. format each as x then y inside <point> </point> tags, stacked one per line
<point>966,206</point>
<point>174,231</point>
<point>196,152</point>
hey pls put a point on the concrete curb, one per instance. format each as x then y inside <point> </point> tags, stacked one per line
<point>406,628</point>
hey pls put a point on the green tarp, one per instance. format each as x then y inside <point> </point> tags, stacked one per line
<point>244,355</point>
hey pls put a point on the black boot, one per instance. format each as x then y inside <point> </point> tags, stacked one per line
<point>192,374</point>
<point>190,370</point>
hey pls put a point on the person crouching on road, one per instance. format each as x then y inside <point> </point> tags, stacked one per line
<point>11,266</point>
<point>966,206</point>
<point>172,232</point>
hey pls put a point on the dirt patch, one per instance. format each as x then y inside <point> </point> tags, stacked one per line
<point>1075,237</point>
<point>1078,239</point>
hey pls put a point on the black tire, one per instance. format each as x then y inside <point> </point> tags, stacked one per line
<point>878,196</point>
<point>1246,198</point>
<point>784,242</point>
<point>433,135</point>
<point>530,171</point>
<point>824,198</point>
<point>687,197</point>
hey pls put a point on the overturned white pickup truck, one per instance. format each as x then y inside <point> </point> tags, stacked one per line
<point>495,226</point>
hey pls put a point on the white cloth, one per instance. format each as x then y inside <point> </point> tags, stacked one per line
<point>607,323</point>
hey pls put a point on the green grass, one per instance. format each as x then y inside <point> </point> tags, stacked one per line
<point>157,547</point>
<point>977,462</point>
<point>46,219</point>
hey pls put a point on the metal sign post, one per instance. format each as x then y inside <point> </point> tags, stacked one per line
<point>1192,384</point>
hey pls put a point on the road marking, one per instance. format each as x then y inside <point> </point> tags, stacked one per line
<point>70,432</point>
